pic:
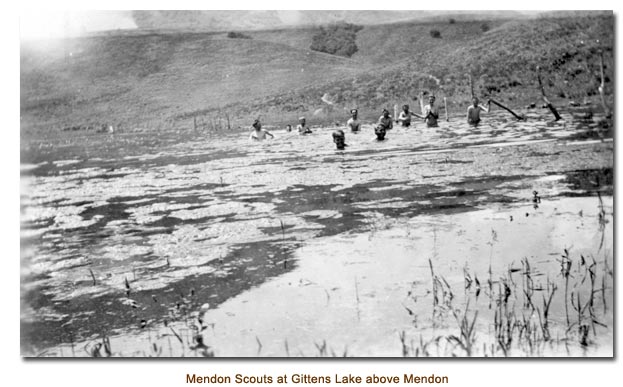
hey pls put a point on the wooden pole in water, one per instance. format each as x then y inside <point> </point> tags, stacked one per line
<point>549,104</point>
<point>507,109</point>
<point>471,84</point>
<point>602,85</point>
<point>445,105</point>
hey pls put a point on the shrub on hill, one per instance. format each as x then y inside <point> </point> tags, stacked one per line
<point>337,39</point>
<point>237,35</point>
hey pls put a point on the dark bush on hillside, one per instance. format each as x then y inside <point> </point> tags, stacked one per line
<point>237,35</point>
<point>484,27</point>
<point>452,21</point>
<point>435,34</point>
<point>337,39</point>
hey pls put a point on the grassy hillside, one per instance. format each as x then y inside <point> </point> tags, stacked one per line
<point>391,43</point>
<point>134,79</point>
<point>502,61</point>
<point>269,19</point>
<point>154,79</point>
<point>408,42</point>
<point>506,57</point>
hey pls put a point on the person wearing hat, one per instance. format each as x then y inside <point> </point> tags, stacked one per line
<point>339,139</point>
<point>302,128</point>
<point>353,123</point>
<point>404,118</point>
<point>259,134</point>
<point>385,120</point>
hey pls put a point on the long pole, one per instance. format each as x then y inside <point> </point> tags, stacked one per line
<point>471,84</point>
<point>602,85</point>
<point>547,102</point>
<point>507,109</point>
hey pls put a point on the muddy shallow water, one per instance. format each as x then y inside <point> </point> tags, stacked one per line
<point>292,248</point>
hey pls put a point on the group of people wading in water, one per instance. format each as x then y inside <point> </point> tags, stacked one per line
<point>430,115</point>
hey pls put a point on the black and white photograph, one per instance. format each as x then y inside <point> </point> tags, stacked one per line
<point>316,183</point>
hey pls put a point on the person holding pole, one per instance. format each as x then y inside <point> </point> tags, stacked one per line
<point>404,118</point>
<point>473,111</point>
<point>476,112</point>
<point>430,114</point>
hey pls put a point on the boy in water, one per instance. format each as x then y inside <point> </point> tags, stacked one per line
<point>339,139</point>
<point>473,111</point>
<point>385,120</point>
<point>404,118</point>
<point>353,123</point>
<point>259,134</point>
<point>431,113</point>
<point>302,128</point>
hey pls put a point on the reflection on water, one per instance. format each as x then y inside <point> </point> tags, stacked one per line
<point>120,232</point>
<point>361,290</point>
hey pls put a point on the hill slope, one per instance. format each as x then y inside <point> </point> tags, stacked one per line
<point>408,42</point>
<point>269,19</point>
<point>136,78</point>
<point>147,79</point>
<point>502,61</point>
<point>391,43</point>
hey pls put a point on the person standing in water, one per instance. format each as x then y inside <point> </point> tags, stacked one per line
<point>302,128</point>
<point>339,139</point>
<point>380,132</point>
<point>404,118</point>
<point>353,123</point>
<point>431,113</point>
<point>473,111</point>
<point>259,134</point>
<point>385,120</point>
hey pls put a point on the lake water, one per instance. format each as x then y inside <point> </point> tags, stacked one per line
<point>292,248</point>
